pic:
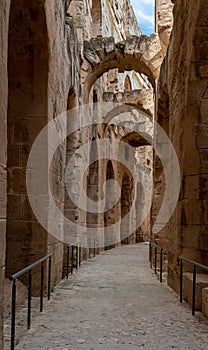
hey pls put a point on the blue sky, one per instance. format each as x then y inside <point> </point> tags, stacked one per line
<point>144,10</point>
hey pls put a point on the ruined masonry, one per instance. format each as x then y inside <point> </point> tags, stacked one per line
<point>72,58</point>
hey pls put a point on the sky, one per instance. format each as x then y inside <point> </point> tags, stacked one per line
<point>144,10</point>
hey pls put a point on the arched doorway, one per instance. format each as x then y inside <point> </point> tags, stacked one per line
<point>127,84</point>
<point>28,60</point>
<point>110,216</point>
<point>93,194</point>
<point>126,201</point>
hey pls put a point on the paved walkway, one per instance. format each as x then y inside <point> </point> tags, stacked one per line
<point>115,302</point>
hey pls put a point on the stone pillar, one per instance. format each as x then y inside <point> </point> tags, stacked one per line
<point>4,19</point>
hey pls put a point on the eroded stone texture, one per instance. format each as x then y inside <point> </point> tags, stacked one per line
<point>4,17</point>
<point>183,99</point>
<point>164,22</point>
<point>141,99</point>
<point>144,54</point>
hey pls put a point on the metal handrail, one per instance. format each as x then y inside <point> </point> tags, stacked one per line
<point>92,249</point>
<point>196,264</point>
<point>157,247</point>
<point>71,261</point>
<point>14,277</point>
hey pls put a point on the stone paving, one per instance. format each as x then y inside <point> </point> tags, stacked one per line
<point>115,302</point>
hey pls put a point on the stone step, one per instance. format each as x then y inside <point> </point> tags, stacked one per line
<point>201,283</point>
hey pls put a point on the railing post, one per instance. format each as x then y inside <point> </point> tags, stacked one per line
<point>29,299</point>
<point>80,255</point>
<point>150,253</point>
<point>155,260</point>
<point>77,256</point>
<point>90,250</point>
<point>161,264</point>
<point>72,259</point>
<point>181,280</point>
<point>13,314</point>
<point>67,263</point>
<point>41,287</point>
<point>49,278</point>
<point>194,291</point>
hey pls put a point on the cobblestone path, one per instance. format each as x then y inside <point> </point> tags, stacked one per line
<point>115,302</point>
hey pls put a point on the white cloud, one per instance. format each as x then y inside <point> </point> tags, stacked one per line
<point>144,10</point>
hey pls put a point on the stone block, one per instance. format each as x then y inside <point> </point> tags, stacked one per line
<point>201,282</point>
<point>205,301</point>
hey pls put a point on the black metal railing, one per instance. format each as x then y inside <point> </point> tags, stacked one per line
<point>14,277</point>
<point>156,248</point>
<point>195,265</point>
<point>92,249</point>
<point>75,256</point>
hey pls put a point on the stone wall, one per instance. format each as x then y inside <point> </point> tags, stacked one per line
<point>45,51</point>
<point>164,19</point>
<point>42,72</point>
<point>4,17</point>
<point>184,101</point>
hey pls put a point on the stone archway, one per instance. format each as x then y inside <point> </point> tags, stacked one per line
<point>142,100</point>
<point>126,201</point>
<point>142,54</point>
<point>28,60</point>
<point>127,84</point>
<point>110,216</point>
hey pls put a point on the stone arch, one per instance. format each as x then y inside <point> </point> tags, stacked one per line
<point>142,54</point>
<point>72,142</point>
<point>127,84</point>
<point>126,201</point>
<point>110,216</point>
<point>96,18</point>
<point>93,183</point>
<point>28,59</point>
<point>142,100</point>
<point>93,193</point>
<point>126,130</point>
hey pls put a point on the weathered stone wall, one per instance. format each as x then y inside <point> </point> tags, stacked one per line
<point>184,99</point>
<point>4,18</point>
<point>43,69</point>
<point>63,93</point>
<point>164,20</point>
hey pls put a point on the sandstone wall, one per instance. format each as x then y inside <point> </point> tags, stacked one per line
<point>164,19</point>
<point>43,70</point>
<point>186,71</point>
<point>4,17</point>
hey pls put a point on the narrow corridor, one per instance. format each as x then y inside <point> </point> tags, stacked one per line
<point>115,302</point>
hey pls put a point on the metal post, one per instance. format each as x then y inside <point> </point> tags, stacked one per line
<point>161,264</point>
<point>98,249</point>
<point>49,278</point>
<point>194,291</point>
<point>181,280</point>
<point>150,252</point>
<point>13,314</point>
<point>155,260</point>
<point>72,259</point>
<point>41,287</point>
<point>67,263</point>
<point>90,251</point>
<point>151,256</point>
<point>80,255</point>
<point>29,299</point>
<point>94,248</point>
<point>77,256</point>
